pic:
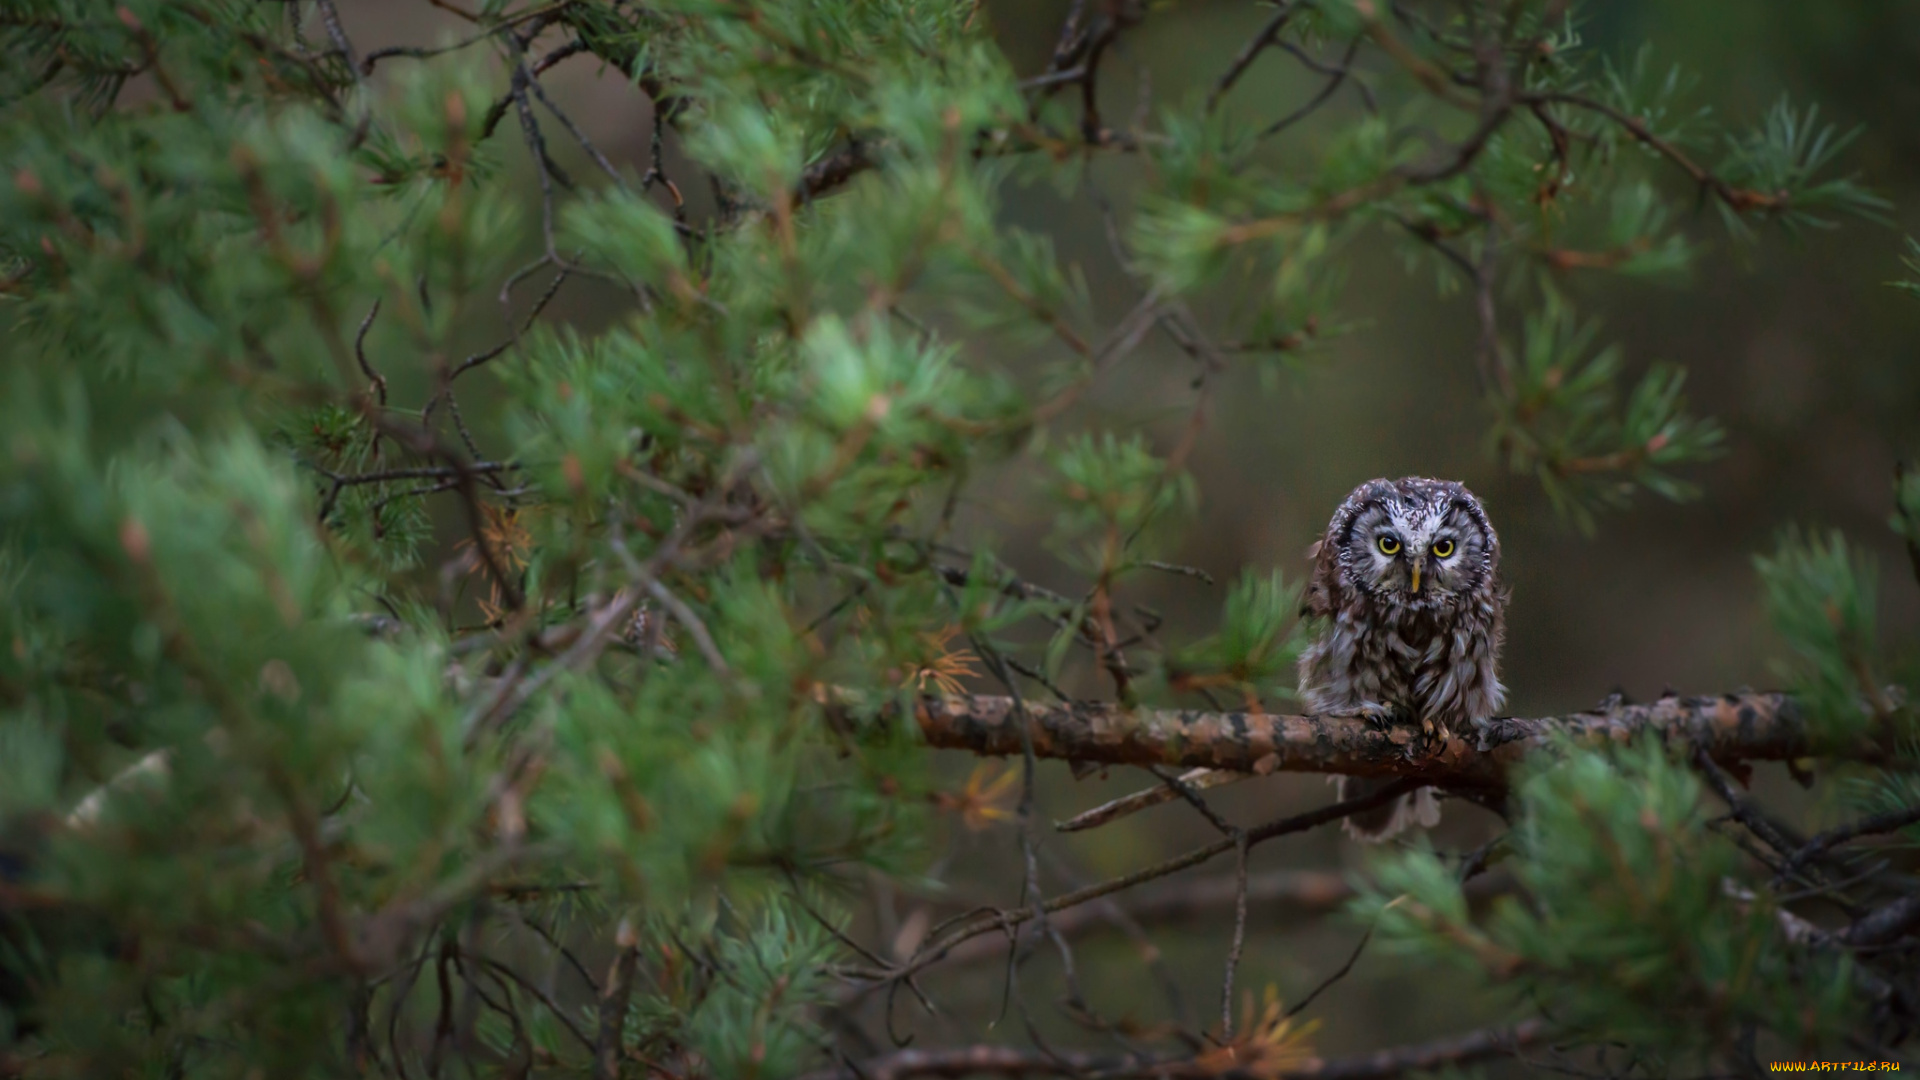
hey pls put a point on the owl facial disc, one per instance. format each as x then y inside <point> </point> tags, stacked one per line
<point>1415,543</point>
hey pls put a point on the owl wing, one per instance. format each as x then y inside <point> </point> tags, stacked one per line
<point>1323,596</point>
<point>1321,601</point>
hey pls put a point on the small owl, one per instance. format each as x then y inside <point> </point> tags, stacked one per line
<point>1407,579</point>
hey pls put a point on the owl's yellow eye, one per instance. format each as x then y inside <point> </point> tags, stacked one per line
<point>1442,548</point>
<point>1388,545</point>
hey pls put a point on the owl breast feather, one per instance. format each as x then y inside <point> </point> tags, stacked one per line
<point>1432,664</point>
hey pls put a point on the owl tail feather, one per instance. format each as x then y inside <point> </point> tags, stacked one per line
<point>1383,823</point>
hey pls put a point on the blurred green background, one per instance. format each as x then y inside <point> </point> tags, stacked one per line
<point>1796,345</point>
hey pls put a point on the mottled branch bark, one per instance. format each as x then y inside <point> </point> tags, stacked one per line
<point>1729,728</point>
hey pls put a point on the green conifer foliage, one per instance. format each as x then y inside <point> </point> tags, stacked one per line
<point>398,680</point>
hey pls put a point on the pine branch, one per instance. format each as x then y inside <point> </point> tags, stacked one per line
<point>1739,199</point>
<point>1731,727</point>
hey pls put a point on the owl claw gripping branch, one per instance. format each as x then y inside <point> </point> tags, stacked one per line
<point>1407,581</point>
<point>1381,716</point>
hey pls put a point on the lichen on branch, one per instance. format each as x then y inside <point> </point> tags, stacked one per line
<point>1730,727</point>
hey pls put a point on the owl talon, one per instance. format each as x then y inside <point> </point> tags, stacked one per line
<point>1379,717</point>
<point>1432,739</point>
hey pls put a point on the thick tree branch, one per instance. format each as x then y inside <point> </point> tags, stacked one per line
<point>1731,727</point>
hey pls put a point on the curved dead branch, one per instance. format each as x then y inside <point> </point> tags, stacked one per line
<point>1009,1061</point>
<point>1283,897</point>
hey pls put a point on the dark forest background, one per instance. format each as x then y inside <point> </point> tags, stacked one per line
<point>1795,345</point>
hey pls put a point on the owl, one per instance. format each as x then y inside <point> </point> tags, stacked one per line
<point>1406,581</point>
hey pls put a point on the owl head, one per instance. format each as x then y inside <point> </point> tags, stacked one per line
<point>1414,543</point>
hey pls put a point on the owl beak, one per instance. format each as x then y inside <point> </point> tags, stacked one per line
<point>1415,585</point>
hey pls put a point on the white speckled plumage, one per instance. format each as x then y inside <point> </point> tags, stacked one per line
<point>1407,581</point>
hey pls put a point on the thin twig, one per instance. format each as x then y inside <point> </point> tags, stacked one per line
<point>1239,936</point>
<point>1885,923</point>
<point>1352,958</point>
<point>609,1047</point>
<point>1029,840</point>
<point>1776,834</point>
<point>1248,54</point>
<point>566,954</point>
<point>687,617</point>
<point>330,17</point>
<point>1738,199</point>
<point>560,1012</point>
<point>419,472</point>
<point>1891,821</point>
<point>360,353</point>
<point>1327,90</point>
<point>579,136</point>
<point>930,954</point>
